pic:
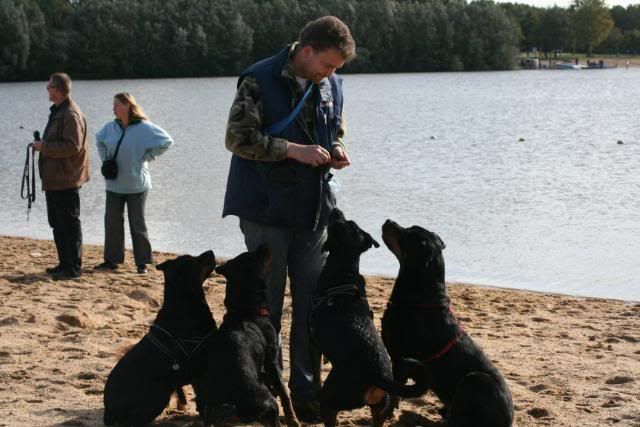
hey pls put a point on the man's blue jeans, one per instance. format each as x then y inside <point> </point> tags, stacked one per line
<point>296,253</point>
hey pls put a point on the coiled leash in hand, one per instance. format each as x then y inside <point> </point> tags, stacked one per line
<point>29,177</point>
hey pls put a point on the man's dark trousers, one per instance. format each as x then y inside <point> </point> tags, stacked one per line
<point>63,212</point>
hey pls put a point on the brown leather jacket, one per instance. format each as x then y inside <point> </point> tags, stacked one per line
<point>64,158</point>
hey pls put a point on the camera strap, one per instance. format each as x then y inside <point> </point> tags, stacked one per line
<point>119,142</point>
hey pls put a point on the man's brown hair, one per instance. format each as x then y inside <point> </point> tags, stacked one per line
<point>62,82</point>
<point>329,32</point>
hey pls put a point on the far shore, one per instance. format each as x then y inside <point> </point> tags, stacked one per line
<point>568,360</point>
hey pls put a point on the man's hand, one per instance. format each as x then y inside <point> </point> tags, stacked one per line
<point>37,145</point>
<point>339,158</point>
<point>313,155</point>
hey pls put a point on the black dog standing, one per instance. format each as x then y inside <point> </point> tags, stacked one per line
<point>172,354</point>
<point>243,364</point>
<point>419,324</point>
<point>343,330</point>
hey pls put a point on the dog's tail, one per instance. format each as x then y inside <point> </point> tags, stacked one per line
<point>413,369</point>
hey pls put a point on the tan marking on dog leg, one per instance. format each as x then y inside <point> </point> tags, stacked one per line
<point>374,395</point>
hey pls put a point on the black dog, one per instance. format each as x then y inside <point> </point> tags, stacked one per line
<point>243,364</point>
<point>343,330</point>
<point>172,354</point>
<point>418,323</point>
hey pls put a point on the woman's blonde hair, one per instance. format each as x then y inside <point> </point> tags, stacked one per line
<point>135,110</point>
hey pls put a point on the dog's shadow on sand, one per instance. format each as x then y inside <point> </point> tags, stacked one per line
<point>412,419</point>
<point>93,418</point>
<point>406,419</point>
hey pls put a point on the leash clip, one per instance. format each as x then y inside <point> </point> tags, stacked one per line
<point>175,366</point>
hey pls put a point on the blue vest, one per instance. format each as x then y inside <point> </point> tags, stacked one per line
<point>286,193</point>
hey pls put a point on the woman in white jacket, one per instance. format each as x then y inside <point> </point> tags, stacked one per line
<point>136,141</point>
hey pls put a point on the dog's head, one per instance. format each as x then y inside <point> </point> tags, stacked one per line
<point>345,238</point>
<point>412,245</point>
<point>245,276</point>
<point>184,276</point>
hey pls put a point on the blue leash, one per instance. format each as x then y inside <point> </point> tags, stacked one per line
<point>278,127</point>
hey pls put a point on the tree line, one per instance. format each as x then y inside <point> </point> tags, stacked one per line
<point>193,38</point>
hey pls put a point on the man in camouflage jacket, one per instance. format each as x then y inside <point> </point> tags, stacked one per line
<point>279,178</point>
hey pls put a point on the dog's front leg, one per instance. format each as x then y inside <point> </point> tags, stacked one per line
<point>316,364</point>
<point>329,416</point>
<point>275,378</point>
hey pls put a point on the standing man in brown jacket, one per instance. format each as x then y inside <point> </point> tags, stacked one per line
<point>64,167</point>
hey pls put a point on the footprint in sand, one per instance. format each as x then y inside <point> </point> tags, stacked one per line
<point>539,388</point>
<point>76,319</point>
<point>619,380</point>
<point>538,412</point>
<point>8,321</point>
<point>142,296</point>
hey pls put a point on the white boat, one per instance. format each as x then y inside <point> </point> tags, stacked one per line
<point>566,66</point>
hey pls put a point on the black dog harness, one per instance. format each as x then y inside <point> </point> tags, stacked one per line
<point>452,342</point>
<point>180,356</point>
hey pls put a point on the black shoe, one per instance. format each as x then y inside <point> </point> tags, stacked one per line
<point>142,269</point>
<point>308,412</point>
<point>107,265</point>
<point>65,275</point>
<point>53,270</point>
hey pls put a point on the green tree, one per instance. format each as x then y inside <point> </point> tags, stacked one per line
<point>528,19</point>
<point>14,40</point>
<point>555,30</point>
<point>592,23</point>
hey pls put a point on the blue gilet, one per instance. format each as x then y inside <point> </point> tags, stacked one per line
<point>287,193</point>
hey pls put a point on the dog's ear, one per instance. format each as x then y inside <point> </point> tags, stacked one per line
<point>163,266</point>
<point>442,244</point>
<point>336,215</point>
<point>369,241</point>
<point>208,257</point>
<point>222,270</point>
<point>328,245</point>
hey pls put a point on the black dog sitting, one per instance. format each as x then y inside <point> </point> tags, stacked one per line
<point>418,323</point>
<point>343,330</point>
<point>172,354</point>
<point>243,364</point>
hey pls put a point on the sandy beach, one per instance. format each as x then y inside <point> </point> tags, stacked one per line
<point>568,361</point>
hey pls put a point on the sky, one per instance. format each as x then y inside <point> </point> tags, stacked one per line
<point>566,3</point>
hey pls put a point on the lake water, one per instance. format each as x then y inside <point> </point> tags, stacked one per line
<point>557,212</point>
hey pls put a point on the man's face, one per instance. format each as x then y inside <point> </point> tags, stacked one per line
<point>316,65</point>
<point>55,95</point>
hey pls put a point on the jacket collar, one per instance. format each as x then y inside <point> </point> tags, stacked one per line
<point>64,104</point>
<point>131,122</point>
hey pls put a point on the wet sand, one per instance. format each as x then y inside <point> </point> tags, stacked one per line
<point>568,361</point>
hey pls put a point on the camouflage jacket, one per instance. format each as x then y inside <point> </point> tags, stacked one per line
<point>244,136</point>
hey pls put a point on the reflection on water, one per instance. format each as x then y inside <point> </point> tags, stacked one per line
<point>554,212</point>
